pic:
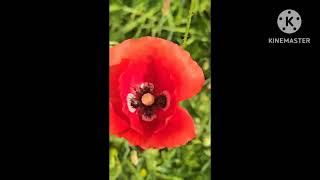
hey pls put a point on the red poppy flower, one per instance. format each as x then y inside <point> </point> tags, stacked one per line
<point>148,78</point>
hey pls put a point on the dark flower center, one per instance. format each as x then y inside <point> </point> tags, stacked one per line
<point>146,101</point>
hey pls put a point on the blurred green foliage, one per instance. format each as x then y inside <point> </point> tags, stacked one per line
<point>138,18</point>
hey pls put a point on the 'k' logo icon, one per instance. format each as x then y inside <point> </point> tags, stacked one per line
<point>289,21</point>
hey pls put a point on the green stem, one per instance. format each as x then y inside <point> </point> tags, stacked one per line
<point>188,23</point>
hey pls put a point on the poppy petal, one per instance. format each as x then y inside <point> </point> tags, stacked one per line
<point>129,49</point>
<point>188,76</point>
<point>134,138</point>
<point>179,130</point>
<point>115,72</point>
<point>117,124</point>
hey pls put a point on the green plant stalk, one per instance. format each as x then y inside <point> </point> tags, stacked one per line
<point>188,23</point>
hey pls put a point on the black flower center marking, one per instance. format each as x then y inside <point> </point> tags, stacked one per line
<point>161,101</point>
<point>146,101</point>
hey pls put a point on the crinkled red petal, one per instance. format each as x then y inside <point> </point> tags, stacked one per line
<point>180,129</point>
<point>117,125</point>
<point>188,76</point>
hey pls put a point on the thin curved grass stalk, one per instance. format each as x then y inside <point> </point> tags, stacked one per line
<point>192,6</point>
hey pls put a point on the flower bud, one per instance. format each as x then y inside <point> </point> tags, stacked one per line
<point>143,172</point>
<point>207,141</point>
<point>134,157</point>
<point>165,7</point>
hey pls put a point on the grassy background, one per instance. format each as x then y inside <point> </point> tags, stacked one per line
<point>137,18</point>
